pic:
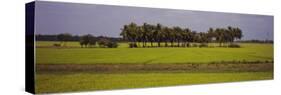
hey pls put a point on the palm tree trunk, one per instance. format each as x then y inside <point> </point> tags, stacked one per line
<point>144,43</point>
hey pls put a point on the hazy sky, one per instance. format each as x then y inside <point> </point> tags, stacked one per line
<point>105,20</point>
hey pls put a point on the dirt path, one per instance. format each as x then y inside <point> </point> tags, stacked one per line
<point>119,68</point>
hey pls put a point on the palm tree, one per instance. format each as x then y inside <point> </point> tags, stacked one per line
<point>158,33</point>
<point>166,35</point>
<point>211,35</point>
<point>172,37</point>
<point>124,32</point>
<point>186,37</point>
<point>238,33</point>
<point>151,34</point>
<point>131,33</point>
<point>219,33</point>
<point>183,37</point>
<point>194,36</point>
<point>178,32</point>
<point>234,33</point>
<point>140,35</point>
<point>145,33</point>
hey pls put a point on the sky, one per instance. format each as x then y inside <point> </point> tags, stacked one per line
<point>107,20</point>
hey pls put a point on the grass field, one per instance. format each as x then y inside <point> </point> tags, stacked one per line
<point>123,54</point>
<point>82,69</point>
<point>49,83</point>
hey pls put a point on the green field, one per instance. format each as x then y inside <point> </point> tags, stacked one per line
<point>49,83</point>
<point>123,54</point>
<point>73,68</point>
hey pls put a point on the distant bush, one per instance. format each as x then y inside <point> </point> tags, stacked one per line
<point>133,45</point>
<point>103,42</point>
<point>232,45</point>
<point>107,43</point>
<point>112,45</point>
<point>56,45</point>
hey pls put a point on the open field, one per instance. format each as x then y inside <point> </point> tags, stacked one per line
<point>73,68</point>
<point>56,82</point>
<point>123,54</point>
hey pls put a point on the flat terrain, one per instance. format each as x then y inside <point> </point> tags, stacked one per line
<point>56,82</point>
<point>123,54</point>
<point>73,68</point>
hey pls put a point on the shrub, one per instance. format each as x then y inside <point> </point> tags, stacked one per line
<point>232,45</point>
<point>56,45</point>
<point>112,45</point>
<point>107,43</point>
<point>133,45</point>
<point>103,42</point>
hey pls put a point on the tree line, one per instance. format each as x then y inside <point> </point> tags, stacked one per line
<point>85,41</point>
<point>256,41</point>
<point>90,41</point>
<point>71,37</point>
<point>142,35</point>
